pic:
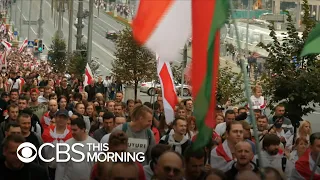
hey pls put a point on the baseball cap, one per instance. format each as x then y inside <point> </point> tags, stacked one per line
<point>62,112</point>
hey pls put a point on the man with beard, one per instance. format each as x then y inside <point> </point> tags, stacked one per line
<point>272,155</point>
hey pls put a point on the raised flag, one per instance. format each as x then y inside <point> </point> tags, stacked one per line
<point>169,94</point>
<point>7,45</point>
<point>3,59</point>
<point>208,16</point>
<point>23,45</point>
<point>87,76</point>
<point>163,26</point>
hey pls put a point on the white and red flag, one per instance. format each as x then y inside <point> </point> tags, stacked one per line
<point>169,95</point>
<point>23,45</point>
<point>3,59</point>
<point>7,45</point>
<point>156,19</point>
<point>88,76</point>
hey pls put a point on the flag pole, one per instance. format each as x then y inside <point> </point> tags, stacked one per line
<point>247,86</point>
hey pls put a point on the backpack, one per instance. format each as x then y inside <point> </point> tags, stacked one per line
<point>283,163</point>
<point>149,132</point>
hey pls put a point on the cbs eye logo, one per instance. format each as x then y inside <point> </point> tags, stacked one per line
<point>26,152</point>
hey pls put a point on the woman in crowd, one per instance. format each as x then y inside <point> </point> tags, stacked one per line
<point>304,130</point>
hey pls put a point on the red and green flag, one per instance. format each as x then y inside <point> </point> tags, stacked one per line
<point>208,16</point>
<point>164,26</point>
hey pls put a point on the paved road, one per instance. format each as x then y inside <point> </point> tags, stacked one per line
<point>102,50</point>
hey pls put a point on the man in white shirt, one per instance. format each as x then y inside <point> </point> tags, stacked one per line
<point>228,118</point>
<point>14,81</point>
<point>222,157</point>
<point>77,170</point>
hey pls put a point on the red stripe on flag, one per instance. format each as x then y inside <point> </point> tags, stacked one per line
<point>210,118</point>
<point>168,88</point>
<point>88,76</point>
<point>148,17</point>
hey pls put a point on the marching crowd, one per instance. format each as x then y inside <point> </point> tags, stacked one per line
<point>39,106</point>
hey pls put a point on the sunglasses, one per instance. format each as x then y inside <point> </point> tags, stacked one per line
<point>168,169</point>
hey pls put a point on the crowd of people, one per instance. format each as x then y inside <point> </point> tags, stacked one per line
<point>123,10</point>
<point>39,106</point>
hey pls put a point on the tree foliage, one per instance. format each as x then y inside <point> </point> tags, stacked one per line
<point>177,72</point>
<point>230,86</point>
<point>58,54</point>
<point>133,63</point>
<point>293,80</point>
<point>78,61</point>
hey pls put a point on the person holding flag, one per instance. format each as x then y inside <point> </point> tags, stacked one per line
<point>60,132</point>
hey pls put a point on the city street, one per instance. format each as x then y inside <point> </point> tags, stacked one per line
<point>103,48</point>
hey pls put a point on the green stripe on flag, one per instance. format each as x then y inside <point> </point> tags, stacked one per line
<point>311,45</point>
<point>203,98</point>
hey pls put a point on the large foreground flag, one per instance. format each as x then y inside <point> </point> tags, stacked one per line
<point>311,45</point>
<point>163,26</point>
<point>170,99</point>
<point>208,16</point>
<point>87,76</point>
<point>23,45</point>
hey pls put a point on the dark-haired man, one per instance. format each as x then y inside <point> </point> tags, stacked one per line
<point>13,168</point>
<point>108,125</point>
<point>77,170</point>
<point>177,140</point>
<point>223,156</point>
<point>195,161</point>
<point>228,118</point>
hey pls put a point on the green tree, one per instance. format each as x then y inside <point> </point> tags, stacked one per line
<point>78,61</point>
<point>133,62</point>
<point>230,86</point>
<point>293,80</point>
<point>57,54</point>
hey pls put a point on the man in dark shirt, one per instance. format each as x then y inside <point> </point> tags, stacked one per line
<point>24,121</point>
<point>244,155</point>
<point>108,125</point>
<point>195,162</point>
<point>12,168</point>
<point>91,90</point>
<point>63,89</point>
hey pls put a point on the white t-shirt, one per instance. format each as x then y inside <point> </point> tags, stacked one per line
<point>221,128</point>
<point>15,85</point>
<point>105,138</point>
<point>76,170</point>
